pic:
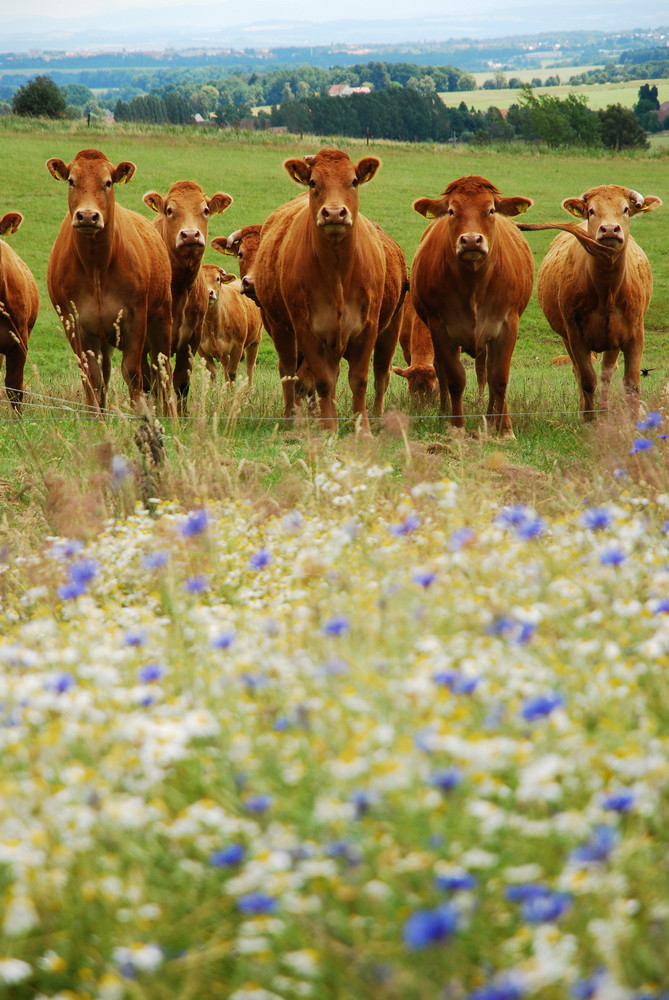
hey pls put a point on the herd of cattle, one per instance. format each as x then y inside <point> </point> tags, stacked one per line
<point>328,283</point>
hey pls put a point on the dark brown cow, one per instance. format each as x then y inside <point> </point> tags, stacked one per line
<point>183,219</point>
<point>321,278</point>
<point>19,305</point>
<point>594,287</point>
<point>109,279</point>
<point>471,280</point>
<point>233,325</point>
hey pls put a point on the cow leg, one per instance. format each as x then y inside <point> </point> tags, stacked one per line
<point>632,374</point>
<point>451,375</point>
<point>183,364</point>
<point>384,349</point>
<point>480,364</point>
<point>586,375</point>
<point>90,367</point>
<point>286,348</point>
<point>233,361</point>
<point>358,356</point>
<point>609,365</point>
<point>15,362</point>
<point>251,355</point>
<point>323,365</point>
<point>498,365</point>
<point>131,365</point>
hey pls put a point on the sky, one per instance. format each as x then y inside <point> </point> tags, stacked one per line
<point>39,22</point>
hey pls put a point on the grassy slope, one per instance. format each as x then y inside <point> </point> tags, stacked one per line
<point>598,95</point>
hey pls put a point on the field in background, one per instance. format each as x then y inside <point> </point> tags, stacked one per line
<point>598,95</point>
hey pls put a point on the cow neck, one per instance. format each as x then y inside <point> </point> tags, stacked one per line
<point>607,274</point>
<point>335,258</point>
<point>184,273</point>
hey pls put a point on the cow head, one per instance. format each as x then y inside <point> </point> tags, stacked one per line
<point>91,179</point>
<point>214,277</point>
<point>333,181</point>
<point>469,206</point>
<point>184,216</point>
<point>10,222</point>
<point>422,379</point>
<point>242,244</point>
<point>608,209</point>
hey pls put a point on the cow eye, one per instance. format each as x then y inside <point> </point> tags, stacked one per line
<point>626,210</point>
<point>169,212</point>
<point>355,182</point>
<point>70,181</point>
<point>205,211</point>
<point>492,211</point>
<point>451,211</point>
<point>312,185</point>
<point>108,185</point>
<point>591,211</point>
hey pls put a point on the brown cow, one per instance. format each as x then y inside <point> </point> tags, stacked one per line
<point>233,325</point>
<point>471,280</point>
<point>183,218</point>
<point>595,289</point>
<point>416,344</point>
<point>242,244</point>
<point>321,278</point>
<point>109,279</point>
<point>19,305</point>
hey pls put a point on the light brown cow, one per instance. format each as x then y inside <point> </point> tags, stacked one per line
<point>594,287</point>
<point>471,280</point>
<point>19,305</point>
<point>321,278</point>
<point>416,344</point>
<point>233,325</point>
<point>109,280</point>
<point>183,219</point>
<point>242,244</point>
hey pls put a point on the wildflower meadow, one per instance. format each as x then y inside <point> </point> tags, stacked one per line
<point>402,738</point>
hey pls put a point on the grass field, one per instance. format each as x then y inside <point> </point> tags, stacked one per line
<point>293,715</point>
<point>598,95</point>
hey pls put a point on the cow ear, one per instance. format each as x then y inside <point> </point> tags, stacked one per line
<point>219,202</point>
<point>641,204</point>
<point>366,169</point>
<point>298,170</point>
<point>575,206</point>
<point>226,277</point>
<point>220,244</point>
<point>404,372</point>
<point>154,201</point>
<point>123,172</point>
<point>431,208</point>
<point>10,222</point>
<point>58,169</point>
<point>512,206</point>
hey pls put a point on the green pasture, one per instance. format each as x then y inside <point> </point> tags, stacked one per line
<point>598,95</point>
<point>542,397</point>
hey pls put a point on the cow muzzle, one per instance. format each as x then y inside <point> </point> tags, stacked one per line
<point>334,219</point>
<point>472,247</point>
<point>88,221</point>
<point>610,235</point>
<point>191,239</point>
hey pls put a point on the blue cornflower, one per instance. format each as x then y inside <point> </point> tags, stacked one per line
<point>424,577</point>
<point>149,673</point>
<point>596,518</point>
<point>334,667</point>
<point>461,538</point>
<point>511,629</point>
<point>409,524</point>
<point>541,706</point>
<point>256,903</point>
<point>260,558</point>
<point>195,523</point>
<point>598,848</point>
<point>584,989</point>
<point>662,607</point>
<point>119,470</point>
<point>65,548</point>
<point>154,560</point>
<point>525,891</point>
<point>653,420</point>
<point>292,522</point>
<point>337,625</point>
<point>613,556</point>
<point>620,801</point>
<point>258,803</point>
<point>457,882</point>
<point>545,908</point>
<point>504,988</point>
<point>361,801</point>
<point>196,584</point>
<point>426,927</point>
<point>224,639</point>
<point>255,680</point>
<point>83,571</point>
<point>456,681</point>
<point>228,856</point>
<point>134,637</point>
<point>345,850</point>
<point>523,520</point>
<point>68,591</point>
<point>641,444</point>
<point>62,683</point>
<point>447,779</point>
<point>281,724</point>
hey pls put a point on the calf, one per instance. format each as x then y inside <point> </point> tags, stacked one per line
<point>233,325</point>
<point>19,305</point>
<point>594,287</point>
<point>471,281</point>
<point>183,218</point>
<point>320,276</point>
<point>108,278</point>
<point>416,344</point>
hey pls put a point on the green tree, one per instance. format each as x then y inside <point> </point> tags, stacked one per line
<point>467,82</point>
<point>40,97</point>
<point>621,129</point>
<point>647,107</point>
